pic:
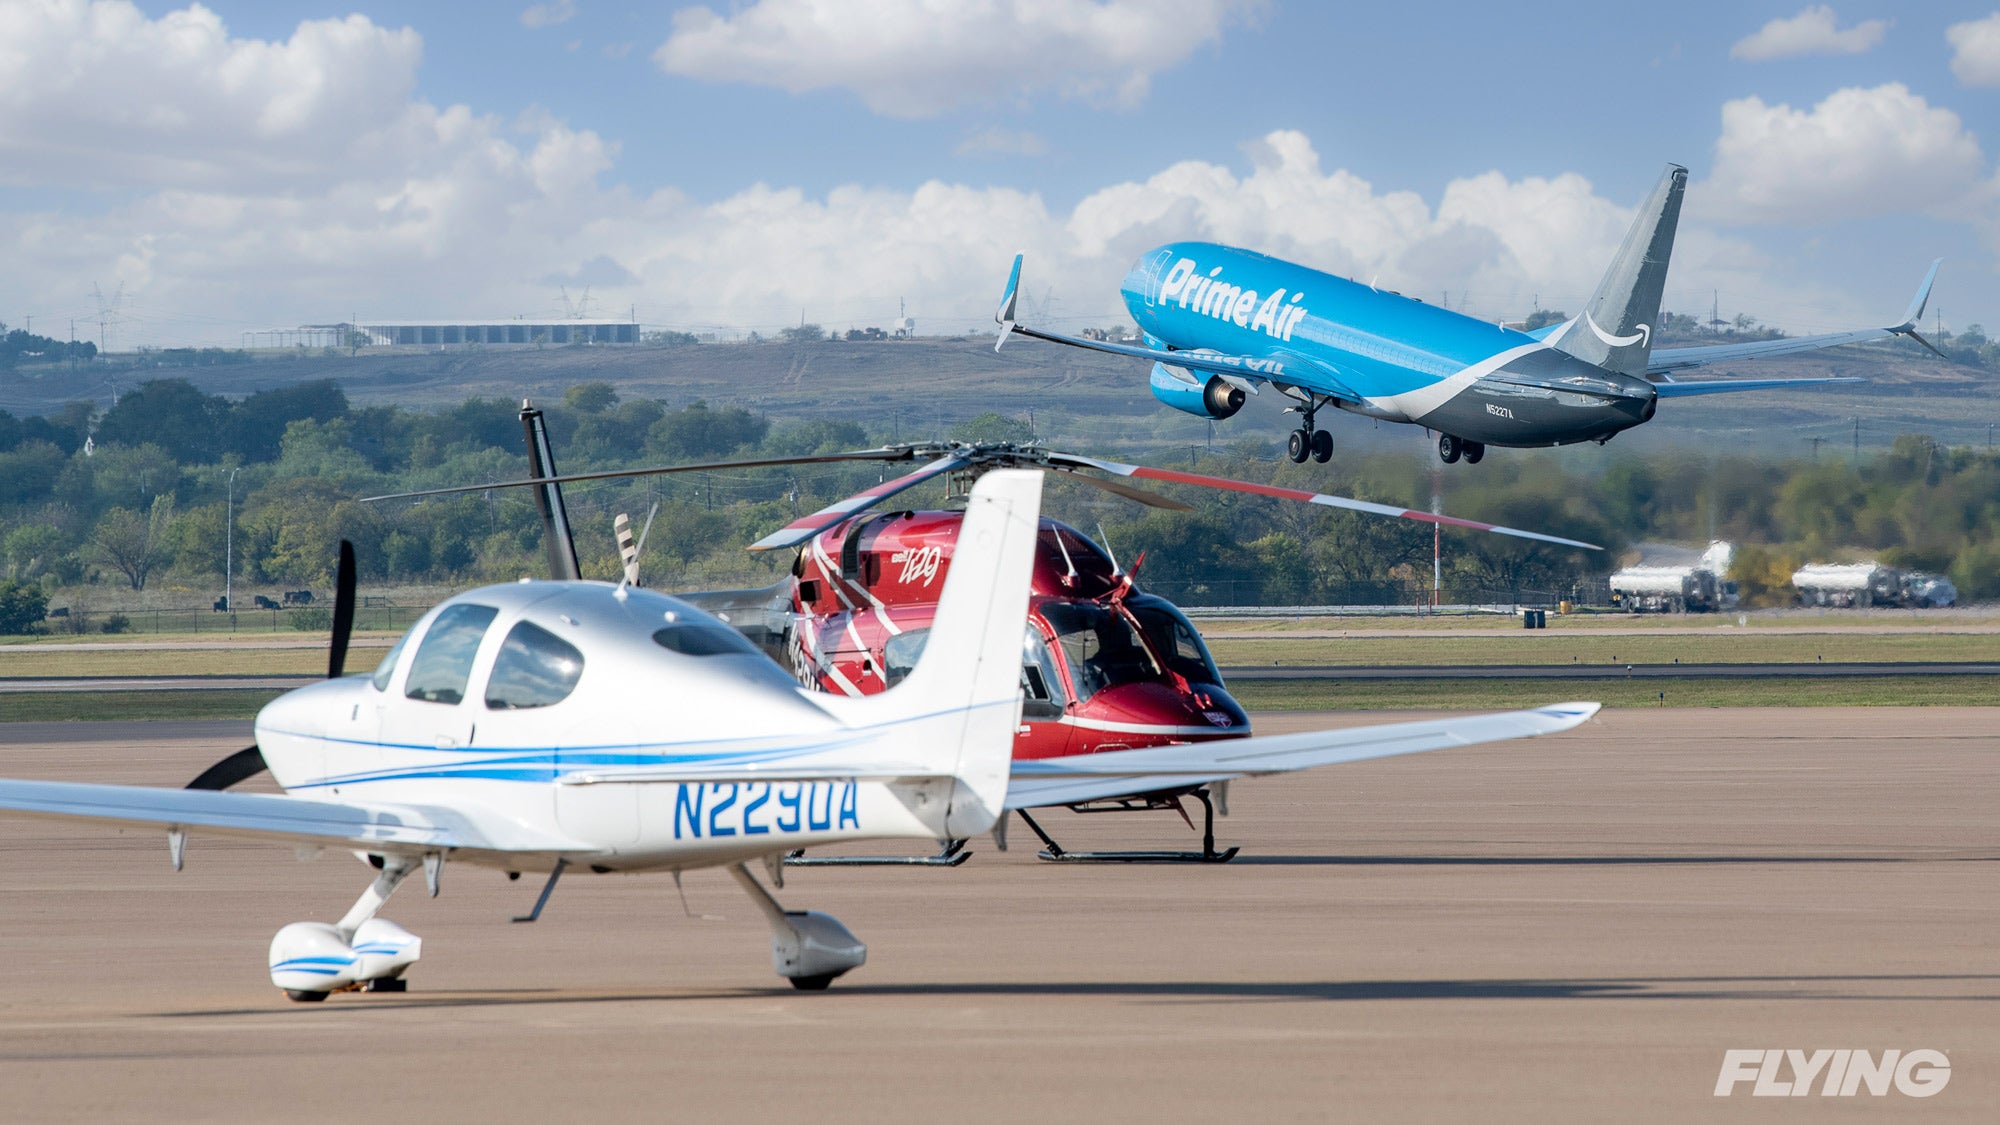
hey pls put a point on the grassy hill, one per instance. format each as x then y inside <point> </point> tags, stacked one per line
<point>922,387</point>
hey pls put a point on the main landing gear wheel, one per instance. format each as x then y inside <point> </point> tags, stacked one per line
<point>1299,446</point>
<point>1474,450</point>
<point>302,996</point>
<point>1449,449</point>
<point>1322,446</point>
<point>814,983</point>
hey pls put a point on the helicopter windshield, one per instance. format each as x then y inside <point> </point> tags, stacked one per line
<point>1175,639</point>
<point>1101,647</point>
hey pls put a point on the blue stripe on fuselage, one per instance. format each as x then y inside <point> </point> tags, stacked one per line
<point>1381,344</point>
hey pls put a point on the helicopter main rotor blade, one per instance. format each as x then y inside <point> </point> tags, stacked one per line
<point>1320,498</point>
<point>891,453</point>
<point>805,527</point>
<point>1150,499</point>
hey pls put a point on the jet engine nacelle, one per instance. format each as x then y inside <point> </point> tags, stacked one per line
<point>1217,398</point>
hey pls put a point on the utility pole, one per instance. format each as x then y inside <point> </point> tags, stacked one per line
<point>1816,444</point>
<point>229,548</point>
<point>1857,441</point>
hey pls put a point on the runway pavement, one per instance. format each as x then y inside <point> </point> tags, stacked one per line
<point>1573,928</point>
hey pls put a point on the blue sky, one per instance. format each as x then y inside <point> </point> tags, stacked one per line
<point>250,165</point>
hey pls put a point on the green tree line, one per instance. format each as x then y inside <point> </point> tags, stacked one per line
<point>141,494</point>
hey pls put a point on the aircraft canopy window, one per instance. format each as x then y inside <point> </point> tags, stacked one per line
<point>704,638</point>
<point>534,669</point>
<point>444,661</point>
<point>1043,695</point>
<point>1174,638</point>
<point>387,668</point>
<point>1100,646</point>
<point>900,655</point>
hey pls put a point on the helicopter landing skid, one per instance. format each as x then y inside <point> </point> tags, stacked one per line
<point>951,855</point>
<point>1056,853</point>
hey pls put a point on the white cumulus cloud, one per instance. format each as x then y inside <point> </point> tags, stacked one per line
<point>921,58</point>
<point>96,92</point>
<point>384,205</point>
<point>1975,50</point>
<point>1857,154</point>
<point>537,16</point>
<point>1814,31</point>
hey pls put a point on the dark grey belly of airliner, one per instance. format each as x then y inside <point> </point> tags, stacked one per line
<point>1545,398</point>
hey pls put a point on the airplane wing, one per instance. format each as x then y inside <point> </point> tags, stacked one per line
<point>1117,773</point>
<point>1667,360</point>
<point>1722,386</point>
<point>1245,370</point>
<point>369,826</point>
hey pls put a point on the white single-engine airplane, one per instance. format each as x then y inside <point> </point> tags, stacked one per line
<point>536,726</point>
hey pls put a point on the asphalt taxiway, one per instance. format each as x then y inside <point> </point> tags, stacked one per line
<point>1571,928</point>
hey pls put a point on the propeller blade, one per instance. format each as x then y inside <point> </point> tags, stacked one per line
<point>1320,498</point>
<point>805,527</point>
<point>887,453</point>
<point>240,766</point>
<point>343,612</point>
<point>1151,499</point>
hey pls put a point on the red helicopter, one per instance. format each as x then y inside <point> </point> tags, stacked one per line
<point>1105,666</point>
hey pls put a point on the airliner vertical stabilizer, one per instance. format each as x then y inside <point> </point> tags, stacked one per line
<point>1615,331</point>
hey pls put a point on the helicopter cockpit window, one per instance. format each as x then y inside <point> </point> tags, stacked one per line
<point>534,669</point>
<point>444,661</point>
<point>387,668</point>
<point>704,638</point>
<point>1175,639</point>
<point>900,655</point>
<point>1043,695</point>
<point>1100,645</point>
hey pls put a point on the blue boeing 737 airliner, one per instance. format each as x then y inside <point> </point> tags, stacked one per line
<point>1220,322</point>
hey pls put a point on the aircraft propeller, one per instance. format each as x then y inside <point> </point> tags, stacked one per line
<point>249,761</point>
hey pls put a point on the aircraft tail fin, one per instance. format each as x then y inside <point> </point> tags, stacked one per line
<point>958,708</point>
<point>1615,330</point>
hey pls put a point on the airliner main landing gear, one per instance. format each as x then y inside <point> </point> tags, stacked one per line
<point>1450,449</point>
<point>1306,441</point>
<point>310,960</point>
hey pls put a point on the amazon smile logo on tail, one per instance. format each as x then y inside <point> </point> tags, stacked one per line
<point>1644,335</point>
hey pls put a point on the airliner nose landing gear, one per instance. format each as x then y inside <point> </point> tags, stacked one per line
<point>1450,449</point>
<point>311,960</point>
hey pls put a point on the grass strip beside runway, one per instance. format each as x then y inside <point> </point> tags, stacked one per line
<point>1457,695</point>
<point>112,706</point>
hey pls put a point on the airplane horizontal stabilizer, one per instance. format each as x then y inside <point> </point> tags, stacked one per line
<point>1089,777</point>
<point>1665,360</point>
<point>1721,386</point>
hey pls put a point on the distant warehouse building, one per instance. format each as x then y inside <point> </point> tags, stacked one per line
<point>447,333</point>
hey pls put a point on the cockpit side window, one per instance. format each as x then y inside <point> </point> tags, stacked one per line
<point>704,638</point>
<point>534,669</point>
<point>1100,646</point>
<point>1042,691</point>
<point>1176,640</point>
<point>900,655</point>
<point>387,668</point>
<point>443,662</point>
